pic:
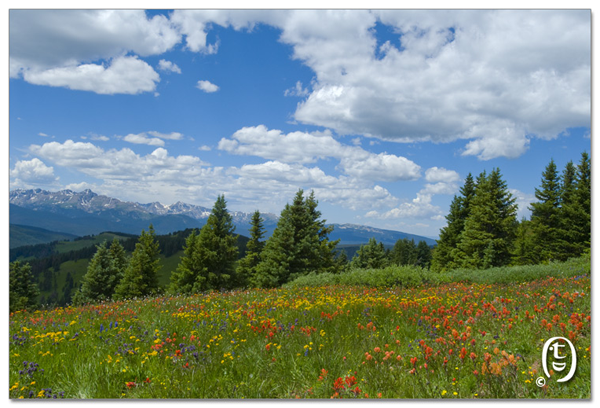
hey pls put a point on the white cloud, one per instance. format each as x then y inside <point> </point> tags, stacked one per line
<point>71,48</point>
<point>440,174</point>
<point>419,207</point>
<point>523,200</point>
<point>34,172</point>
<point>299,147</point>
<point>168,66</point>
<point>302,147</point>
<point>124,75</point>
<point>167,136</point>
<point>284,172</point>
<point>42,134</point>
<point>205,148</point>
<point>207,86</point>
<point>493,77</point>
<point>124,164</point>
<point>297,91</point>
<point>142,138</point>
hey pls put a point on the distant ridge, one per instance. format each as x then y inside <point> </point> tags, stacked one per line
<point>87,213</point>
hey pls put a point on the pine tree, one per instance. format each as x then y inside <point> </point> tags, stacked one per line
<point>443,257</point>
<point>488,236</point>
<point>22,290</point>
<point>191,275</point>
<point>102,276</point>
<point>246,269</point>
<point>545,214</point>
<point>141,276</point>
<point>370,256</point>
<point>217,249</point>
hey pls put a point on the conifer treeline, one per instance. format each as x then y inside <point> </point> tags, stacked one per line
<point>483,231</point>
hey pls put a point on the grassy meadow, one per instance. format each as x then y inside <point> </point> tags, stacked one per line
<point>465,337</point>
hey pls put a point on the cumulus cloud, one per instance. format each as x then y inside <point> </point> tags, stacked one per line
<point>523,200</point>
<point>123,164</point>
<point>168,66</point>
<point>167,136</point>
<point>207,86</point>
<point>142,138</point>
<point>34,172</point>
<point>492,77</point>
<point>303,147</point>
<point>91,54</point>
<point>440,174</point>
<point>419,207</point>
<point>124,75</point>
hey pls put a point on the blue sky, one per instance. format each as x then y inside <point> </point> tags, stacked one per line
<point>382,113</point>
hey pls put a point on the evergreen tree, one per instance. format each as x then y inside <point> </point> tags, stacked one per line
<point>567,245</point>
<point>581,208</point>
<point>444,254</point>
<point>217,249</point>
<point>423,254</point>
<point>404,252</point>
<point>323,254</point>
<point>488,236</point>
<point>299,245</point>
<point>545,215</point>
<point>370,256</point>
<point>278,254</point>
<point>141,276</point>
<point>22,290</point>
<point>101,278</point>
<point>191,275</point>
<point>524,249</point>
<point>246,269</point>
<point>118,255</point>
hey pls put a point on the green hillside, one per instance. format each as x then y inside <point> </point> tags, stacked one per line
<point>21,235</point>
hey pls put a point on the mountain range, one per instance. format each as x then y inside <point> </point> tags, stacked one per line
<point>87,213</point>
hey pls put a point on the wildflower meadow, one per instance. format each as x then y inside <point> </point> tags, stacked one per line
<point>451,340</point>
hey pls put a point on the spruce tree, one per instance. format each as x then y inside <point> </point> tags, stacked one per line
<point>246,269</point>
<point>217,249</point>
<point>299,245</point>
<point>118,255</point>
<point>404,252</point>
<point>488,236</point>
<point>581,210</point>
<point>23,292</point>
<point>524,249</point>
<point>567,246</point>
<point>190,275</point>
<point>278,254</point>
<point>141,276</point>
<point>370,256</point>
<point>545,215</point>
<point>423,254</point>
<point>443,257</point>
<point>102,276</point>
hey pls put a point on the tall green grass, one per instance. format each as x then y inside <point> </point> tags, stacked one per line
<point>412,276</point>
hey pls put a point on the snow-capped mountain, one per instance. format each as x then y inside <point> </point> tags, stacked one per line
<point>85,213</point>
